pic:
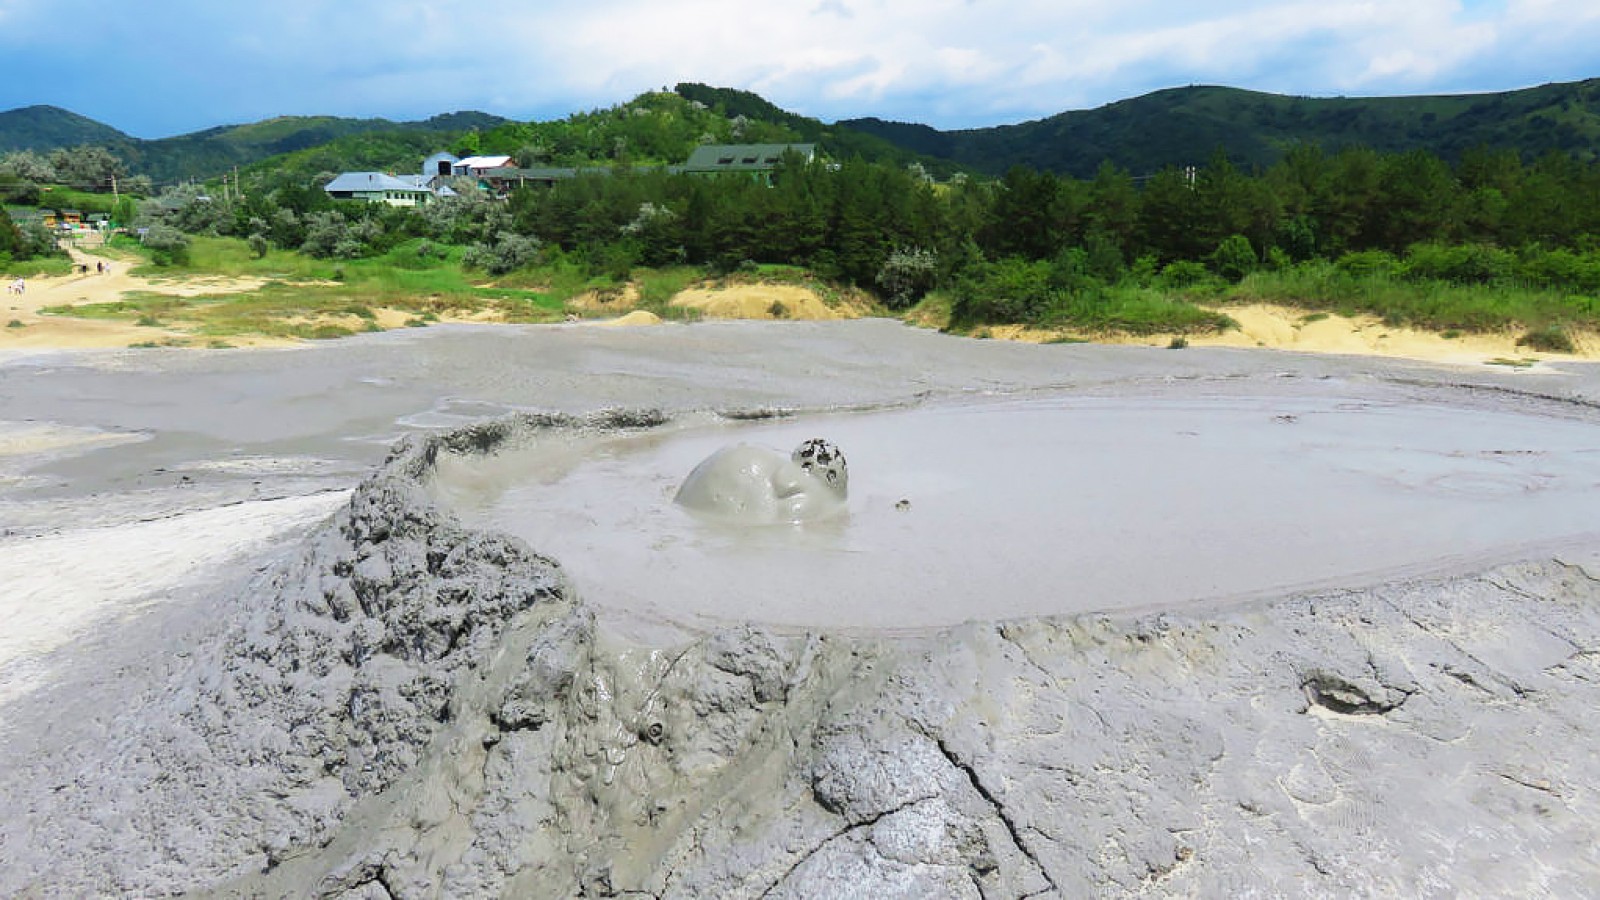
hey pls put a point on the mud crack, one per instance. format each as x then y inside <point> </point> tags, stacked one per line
<point>999,810</point>
<point>843,832</point>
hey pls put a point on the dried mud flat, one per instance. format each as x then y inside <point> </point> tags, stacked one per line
<point>392,704</point>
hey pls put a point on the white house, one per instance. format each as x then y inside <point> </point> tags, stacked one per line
<point>380,187</point>
<point>475,166</point>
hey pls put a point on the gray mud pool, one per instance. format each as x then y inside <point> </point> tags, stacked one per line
<point>1047,505</point>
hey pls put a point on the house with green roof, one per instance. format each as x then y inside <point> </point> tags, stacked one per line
<point>756,160</point>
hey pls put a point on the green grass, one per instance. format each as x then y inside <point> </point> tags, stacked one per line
<point>1435,305</point>
<point>934,310</point>
<point>657,287</point>
<point>54,196</point>
<point>35,268</point>
<point>298,286</point>
<point>1131,309</point>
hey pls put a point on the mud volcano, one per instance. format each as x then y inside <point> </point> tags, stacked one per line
<point>1048,506</point>
<point>1005,671</point>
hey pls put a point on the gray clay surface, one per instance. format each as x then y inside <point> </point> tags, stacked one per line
<point>402,705</point>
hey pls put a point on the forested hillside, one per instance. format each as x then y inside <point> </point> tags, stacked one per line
<point>45,128</point>
<point>1182,127</point>
<point>209,153</point>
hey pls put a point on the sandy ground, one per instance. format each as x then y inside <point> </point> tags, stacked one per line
<point>637,317</point>
<point>1270,327</point>
<point>722,301</point>
<point>30,329</point>
<point>60,585</point>
<point>759,301</point>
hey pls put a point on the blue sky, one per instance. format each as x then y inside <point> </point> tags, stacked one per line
<point>162,67</point>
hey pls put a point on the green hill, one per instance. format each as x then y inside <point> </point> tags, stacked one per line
<point>661,127</point>
<point>1183,126</point>
<point>204,154</point>
<point>837,141</point>
<point>44,128</point>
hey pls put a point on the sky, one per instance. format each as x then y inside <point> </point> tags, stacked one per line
<point>157,68</point>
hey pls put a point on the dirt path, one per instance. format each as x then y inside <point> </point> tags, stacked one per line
<point>28,327</point>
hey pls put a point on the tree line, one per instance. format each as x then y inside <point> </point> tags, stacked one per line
<point>1027,247</point>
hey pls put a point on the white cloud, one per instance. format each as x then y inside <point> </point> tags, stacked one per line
<point>947,62</point>
<point>1010,55</point>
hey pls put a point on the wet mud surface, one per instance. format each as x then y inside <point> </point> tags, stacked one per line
<point>396,701</point>
<point>1056,505</point>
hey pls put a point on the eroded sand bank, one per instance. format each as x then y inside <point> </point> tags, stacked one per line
<point>1260,326</point>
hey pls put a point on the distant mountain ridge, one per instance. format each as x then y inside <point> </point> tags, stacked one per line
<point>1184,126</point>
<point>203,154</point>
<point>1173,127</point>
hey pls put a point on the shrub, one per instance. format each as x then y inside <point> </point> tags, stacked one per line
<point>1298,238</point>
<point>1011,290</point>
<point>19,191</point>
<point>1458,263</point>
<point>258,245</point>
<point>1368,264</point>
<point>1549,338</point>
<point>907,275</point>
<point>168,246</point>
<point>1234,258</point>
<point>324,233</point>
<point>1103,256</point>
<point>1560,268</point>
<point>509,252</point>
<point>1183,273</point>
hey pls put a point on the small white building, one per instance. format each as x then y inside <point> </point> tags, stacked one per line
<point>475,166</point>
